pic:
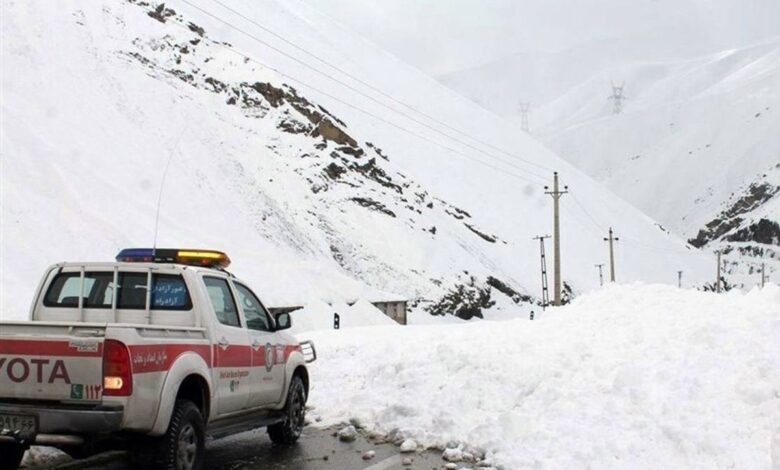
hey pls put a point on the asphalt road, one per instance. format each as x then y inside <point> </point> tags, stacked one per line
<point>318,449</point>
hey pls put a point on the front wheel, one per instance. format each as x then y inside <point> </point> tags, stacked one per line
<point>11,455</point>
<point>288,431</point>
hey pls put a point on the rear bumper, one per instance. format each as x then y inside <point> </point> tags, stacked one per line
<point>67,420</point>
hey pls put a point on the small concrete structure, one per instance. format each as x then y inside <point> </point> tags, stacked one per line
<point>395,309</point>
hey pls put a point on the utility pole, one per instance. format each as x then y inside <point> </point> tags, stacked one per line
<point>611,241</point>
<point>679,279</point>
<point>717,280</point>
<point>617,98</point>
<point>525,108</point>
<point>763,274</point>
<point>556,195</point>
<point>601,274</point>
<point>545,290</point>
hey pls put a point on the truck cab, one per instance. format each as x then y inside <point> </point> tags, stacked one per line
<point>156,350</point>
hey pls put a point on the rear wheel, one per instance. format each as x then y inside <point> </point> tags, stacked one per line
<point>11,455</point>
<point>183,445</point>
<point>289,430</point>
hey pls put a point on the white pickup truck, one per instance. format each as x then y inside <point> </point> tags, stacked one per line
<point>154,353</point>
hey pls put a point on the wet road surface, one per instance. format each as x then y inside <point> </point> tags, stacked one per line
<point>317,449</point>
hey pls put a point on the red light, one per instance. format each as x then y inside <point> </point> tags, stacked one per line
<point>117,369</point>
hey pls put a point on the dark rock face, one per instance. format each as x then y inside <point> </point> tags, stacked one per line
<point>161,13</point>
<point>507,290</point>
<point>764,231</point>
<point>465,301</point>
<point>373,205</point>
<point>728,220</point>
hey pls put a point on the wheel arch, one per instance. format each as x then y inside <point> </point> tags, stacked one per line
<point>187,378</point>
<point>303,373</point>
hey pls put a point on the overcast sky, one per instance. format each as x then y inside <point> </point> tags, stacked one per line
<point>441,36</point>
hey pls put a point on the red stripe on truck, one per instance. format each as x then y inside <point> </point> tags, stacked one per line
<point>26,347</point>
<point>235,355</point>
<point>160,357</point>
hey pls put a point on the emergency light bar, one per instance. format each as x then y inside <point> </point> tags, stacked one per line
<point>207,258</point>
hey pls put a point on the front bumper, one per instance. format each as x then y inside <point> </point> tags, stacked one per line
<point>65,420</point>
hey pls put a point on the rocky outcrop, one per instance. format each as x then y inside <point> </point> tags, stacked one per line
<point>729,219</point>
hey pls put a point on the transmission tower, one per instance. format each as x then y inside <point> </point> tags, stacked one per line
<point>617,97</point>
<point>525,108</point>
<point>545,290</point>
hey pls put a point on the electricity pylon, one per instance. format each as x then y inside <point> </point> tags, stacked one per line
<point>617,97</point>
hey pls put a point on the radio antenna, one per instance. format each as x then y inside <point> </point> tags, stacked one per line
<point>162,185</point>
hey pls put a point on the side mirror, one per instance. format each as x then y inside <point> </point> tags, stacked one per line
<point>283,321</point>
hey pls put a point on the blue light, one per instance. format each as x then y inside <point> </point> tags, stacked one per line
<point>136,255</point>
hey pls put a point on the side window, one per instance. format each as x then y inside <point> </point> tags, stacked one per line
<point>132,291</point>
<point>169,292</point>
<point>64,290</point>
<point>222,300</point>
<point>254,313</point>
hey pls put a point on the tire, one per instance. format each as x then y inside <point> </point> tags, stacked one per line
<point>11,455</point>
<point>183,445</point>
<point>288,431</point>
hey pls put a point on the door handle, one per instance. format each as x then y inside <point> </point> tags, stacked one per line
<point>256,344</point>
<point>223,343</point>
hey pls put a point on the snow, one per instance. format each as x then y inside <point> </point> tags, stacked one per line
<point>88,127</point>
<point>319,316</point>
<point>630,376</point>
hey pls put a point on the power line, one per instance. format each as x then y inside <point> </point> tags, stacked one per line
<point>369,113</point>
<point>628,239</point>
<point>356,90</point>
<point>359,80</point>
<point>585,211</point>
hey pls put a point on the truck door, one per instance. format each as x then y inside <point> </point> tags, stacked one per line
<point>232,354</point>
<point>268,368</point>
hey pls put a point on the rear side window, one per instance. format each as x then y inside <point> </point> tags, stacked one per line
<point>169,292</point>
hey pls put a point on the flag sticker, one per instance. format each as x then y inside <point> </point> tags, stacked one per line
<point>85,392</point>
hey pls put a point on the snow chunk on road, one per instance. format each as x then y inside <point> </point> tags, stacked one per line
<point>627,377</point>
<point>348,434</point>
<point>408,446</point>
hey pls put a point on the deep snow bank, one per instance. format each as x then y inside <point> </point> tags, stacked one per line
<point>639,376</point>
<point>319,316</point>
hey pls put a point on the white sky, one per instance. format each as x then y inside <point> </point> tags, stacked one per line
<point>441,36</point>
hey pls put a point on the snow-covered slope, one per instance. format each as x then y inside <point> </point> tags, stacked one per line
<point>318,191</point>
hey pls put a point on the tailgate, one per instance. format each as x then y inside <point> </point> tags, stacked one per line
<point>51,361</point>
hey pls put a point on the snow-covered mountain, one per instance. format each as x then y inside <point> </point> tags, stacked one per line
<point>697,146</point>
<point>318,189</point>
<point>698,133</point>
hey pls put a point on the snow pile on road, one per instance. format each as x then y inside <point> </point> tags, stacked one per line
<point>635,376</point>
<point>319,316</point>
